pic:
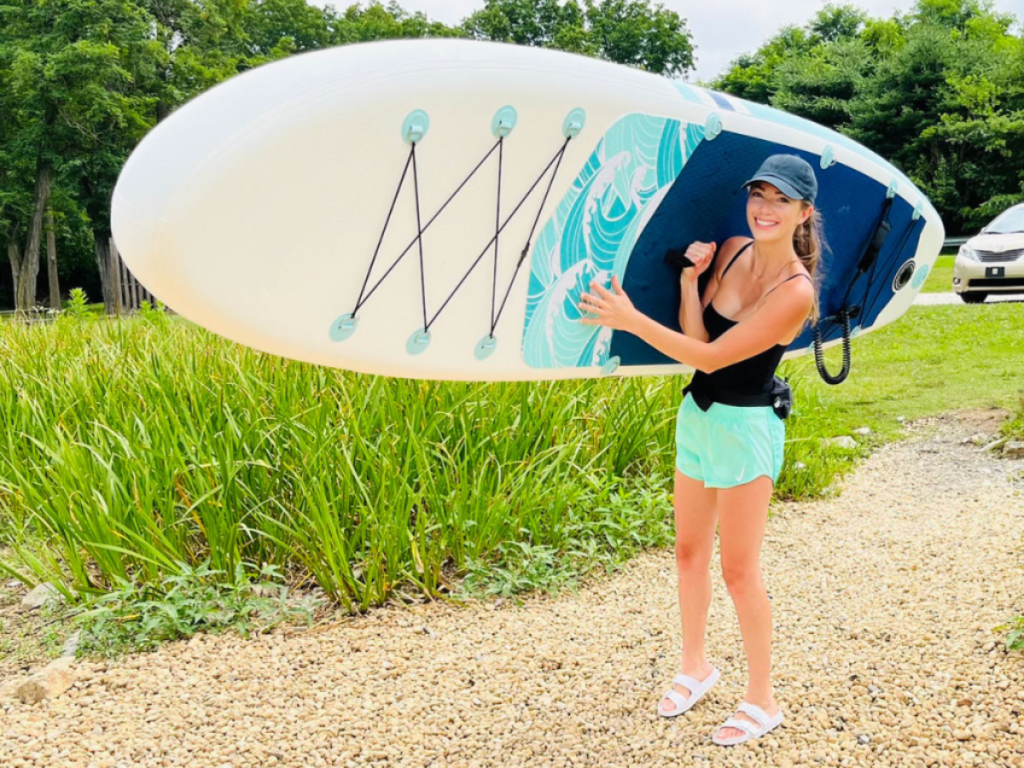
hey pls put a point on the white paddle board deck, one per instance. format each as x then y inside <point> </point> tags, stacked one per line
<point>434,208</point>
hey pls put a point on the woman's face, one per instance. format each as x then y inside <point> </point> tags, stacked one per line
<point>773,216</point>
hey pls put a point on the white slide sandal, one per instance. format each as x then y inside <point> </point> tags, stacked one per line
<point>697,690</point>
<point>767,723</point>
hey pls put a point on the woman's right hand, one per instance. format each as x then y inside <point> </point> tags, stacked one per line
<point>701,254</point>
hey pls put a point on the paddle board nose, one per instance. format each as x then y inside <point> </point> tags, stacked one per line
<point>139,233</point>
<point>140,205</point>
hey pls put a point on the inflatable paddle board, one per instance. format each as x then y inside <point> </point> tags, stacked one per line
<point>434,208</point>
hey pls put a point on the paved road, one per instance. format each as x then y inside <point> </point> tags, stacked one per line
<point>952,298</point>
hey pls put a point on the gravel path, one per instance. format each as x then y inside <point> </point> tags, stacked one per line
<point>884,604</point>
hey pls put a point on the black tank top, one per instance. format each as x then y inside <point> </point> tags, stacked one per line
<point>752,376</point>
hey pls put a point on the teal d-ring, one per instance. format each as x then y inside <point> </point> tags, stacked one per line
<point>503,122</point>
<point>343,327</point>
<point>418,342</point>
<point>573,123</point>
<point>712,127</point>
<point>485,347</point>
<point>611,366</point>
<point>415,126</point>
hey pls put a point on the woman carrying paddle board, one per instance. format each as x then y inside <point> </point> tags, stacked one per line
<point>729,437</point>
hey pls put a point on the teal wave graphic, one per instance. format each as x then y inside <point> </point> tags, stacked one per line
<point>593,231</point>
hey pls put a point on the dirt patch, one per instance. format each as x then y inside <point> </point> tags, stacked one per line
<point>28,639</point>
<point>976,420</point>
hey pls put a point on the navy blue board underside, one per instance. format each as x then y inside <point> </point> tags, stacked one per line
<point>706,203</point>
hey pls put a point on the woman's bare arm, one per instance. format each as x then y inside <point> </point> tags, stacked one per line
<point>781,314</point>
<point>691,313</point>
<point>691,306</point>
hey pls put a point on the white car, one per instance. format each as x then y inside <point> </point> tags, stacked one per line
<point>993,260</point>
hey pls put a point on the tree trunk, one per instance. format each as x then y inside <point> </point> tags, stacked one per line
<point>51,260</point>
<point>117,273</point>
<point>28,271</point>
<point>102,246</point>
<point>14,256</point>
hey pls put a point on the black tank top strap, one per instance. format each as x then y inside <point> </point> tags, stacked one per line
<point>733,259</point>
<point>798,274</point>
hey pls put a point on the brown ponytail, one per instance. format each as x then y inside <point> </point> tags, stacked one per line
<point>809,242</point>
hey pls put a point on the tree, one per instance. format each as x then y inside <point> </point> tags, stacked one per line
<point>754,76</point>
<point>948,107</point>
<point>82,81</point>
<point>75,75</point>
<point>938,91</point>
<point>837,22</point>
<point>821,84</point>
<point>624,31</point>
<point>380,22</point>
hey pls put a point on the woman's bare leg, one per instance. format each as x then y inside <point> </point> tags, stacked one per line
<point>695,538</point>
<point>743,515</point>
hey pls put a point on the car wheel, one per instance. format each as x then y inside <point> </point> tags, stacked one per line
<point>975,297</point>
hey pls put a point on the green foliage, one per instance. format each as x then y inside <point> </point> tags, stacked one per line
<point>134,447</point>
<point>820,85</point>
<point>940,278</point>
<point>77,304</point>
<point>629,32</point>
<point>1015,638</point>
<point>950,14</point>
<point>131,447</point>
<point>139,616</point>
<point>76,84</point>
<point>1013,428</point>
<point>384,22</point>
<point>834,23</point>
<point>155,315</point>
<point>596,533</point>
<point>82,82</point>
<point>278,28</point>
<point>939,92</point>
<point>754,76</point>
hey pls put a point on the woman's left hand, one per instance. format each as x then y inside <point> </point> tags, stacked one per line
<point>614,310</point>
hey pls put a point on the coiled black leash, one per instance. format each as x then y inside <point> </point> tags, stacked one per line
<point>844,315</point>
<point>868,261</point>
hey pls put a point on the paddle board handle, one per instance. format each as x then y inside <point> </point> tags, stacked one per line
<point>676,257</point>
<point>878,238</point>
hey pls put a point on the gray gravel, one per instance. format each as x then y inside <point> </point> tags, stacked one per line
<point>884,602</point>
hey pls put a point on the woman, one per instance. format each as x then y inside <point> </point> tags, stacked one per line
<point>729,456</point>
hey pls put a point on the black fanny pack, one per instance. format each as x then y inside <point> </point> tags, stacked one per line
<point>780,397</point>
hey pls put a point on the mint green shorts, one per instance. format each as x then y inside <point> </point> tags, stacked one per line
<point>728,445</point>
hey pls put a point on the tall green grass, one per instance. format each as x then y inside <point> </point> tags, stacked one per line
<point>940,278</point>
<point>133,447</point>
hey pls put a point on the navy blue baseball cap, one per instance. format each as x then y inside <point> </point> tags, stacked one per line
<point>793,175</point>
